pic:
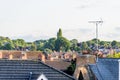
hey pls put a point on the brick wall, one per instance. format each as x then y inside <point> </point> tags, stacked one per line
<point>81,65</point>
<point>33,55</point>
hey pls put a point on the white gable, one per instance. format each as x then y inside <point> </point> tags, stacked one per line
<point>42,77</point>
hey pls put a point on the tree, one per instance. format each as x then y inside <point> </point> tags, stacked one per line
<point>102,42</point>
<point>48,51</point>
<point>50,44</point>
<point>59,34</point>
<point>8,46</point>
<point>62,44</point>
<point>114,43</point>
<point>21,42</point>
<point>15,43</point>
<point>74,45</point>
<point>40,44</point>
<point>74,41</point>
<point>70,69</point>
<point>40,47</point>
<point>33,47</point>
<point>84,46</point>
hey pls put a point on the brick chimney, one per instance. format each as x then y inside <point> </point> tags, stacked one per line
<point>82,61</point>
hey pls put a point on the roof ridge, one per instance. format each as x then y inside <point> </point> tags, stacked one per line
<point>57,70</point>
<point>40,62</point>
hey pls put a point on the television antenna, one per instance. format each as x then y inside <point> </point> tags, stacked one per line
<point>97,22</point>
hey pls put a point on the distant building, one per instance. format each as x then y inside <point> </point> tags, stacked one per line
<point>22,55</point>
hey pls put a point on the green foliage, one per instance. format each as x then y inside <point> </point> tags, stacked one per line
<point>70,70</point>
<point>8,46</point>
<point>84,46</point>
<point>21,42</point>
<point>115,44</point>
<point>48,51</point>
<point>55,44</point>
<point>33,47</point>
<point>50,44</point>
<point>40,44</point>
<point>74,46</point>
<point>115,55</point>
<point>15,43</point>
<point>6,43</point>
<point>62,44</point>
<point>102,43</point>
<point>40,47</point>
<point>59,34</point>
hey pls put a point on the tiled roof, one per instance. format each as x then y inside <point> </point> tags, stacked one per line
<point>106,69</point>
<point>95,71</point>
<point>58,64</point>
<point>21,70</point>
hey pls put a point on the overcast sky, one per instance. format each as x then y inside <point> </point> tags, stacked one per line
<point>41,19</point>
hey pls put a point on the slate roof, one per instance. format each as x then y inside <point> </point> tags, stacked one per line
<point>29,70</point>
<point>106,69</point>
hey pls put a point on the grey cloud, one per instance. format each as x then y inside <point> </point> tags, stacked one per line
<point>85,30</point>
<point>83,7</point>
<point>117,29</point>
<point>84,4</point>
<point>112,35</point>
<point>80,30</point>
<point>31,38</point>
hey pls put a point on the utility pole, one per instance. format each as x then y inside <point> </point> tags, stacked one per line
<point>97,23</point>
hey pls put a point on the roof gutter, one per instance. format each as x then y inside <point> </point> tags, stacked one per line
<point>119,69</point>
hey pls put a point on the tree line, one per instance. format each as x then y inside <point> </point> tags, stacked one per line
<point>58,43</point>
